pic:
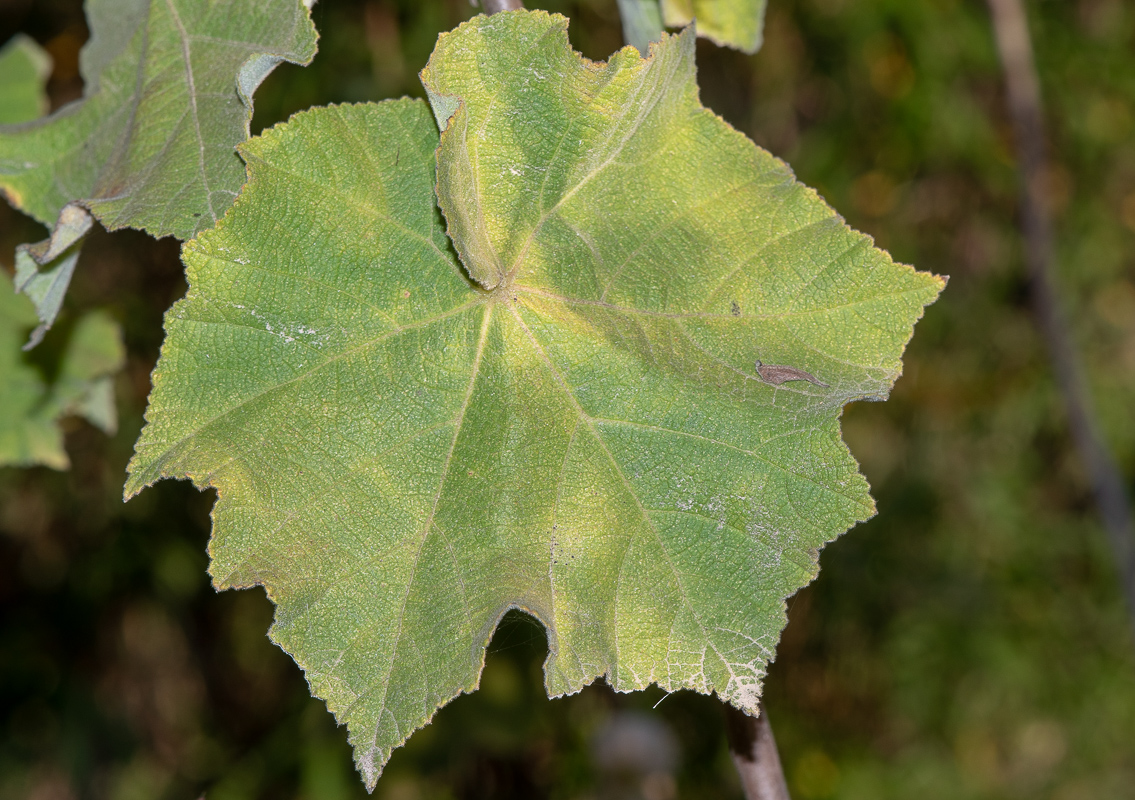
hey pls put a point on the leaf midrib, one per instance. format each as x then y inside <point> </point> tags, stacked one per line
<point>591,173</point>
<point>191,86</point>
<point>361,207</point>
<point>458,424</point>
<point>647,519</point>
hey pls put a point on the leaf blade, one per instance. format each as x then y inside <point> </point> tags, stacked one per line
<point>403,454</point>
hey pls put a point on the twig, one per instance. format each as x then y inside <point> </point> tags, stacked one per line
<point>493,6</point>
<point>1011,29</point>
<point>754,755</point>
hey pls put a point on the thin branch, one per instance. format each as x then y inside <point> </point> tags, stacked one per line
<point>493,6</point>
<point>753,748</point>
<point>1108,485</point>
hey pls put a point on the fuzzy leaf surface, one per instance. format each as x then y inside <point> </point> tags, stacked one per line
<point>403,454</point>
<point>732,23</point>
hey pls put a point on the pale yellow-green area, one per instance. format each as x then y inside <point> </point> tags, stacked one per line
<point>29,429</point>
<point>403,453</point>
<point>733,23</point>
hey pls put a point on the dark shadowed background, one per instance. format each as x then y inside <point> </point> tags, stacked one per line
<point>968,642</point>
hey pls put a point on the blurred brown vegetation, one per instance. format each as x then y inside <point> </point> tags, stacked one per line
<point>969,642</point>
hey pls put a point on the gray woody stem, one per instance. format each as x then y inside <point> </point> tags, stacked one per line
<point>493,6</point>
<point>754,754</point>
<point>1011,29</point>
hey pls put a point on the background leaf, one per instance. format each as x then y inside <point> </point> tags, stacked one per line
<point>168,95</point>
<point>401,457</point>
<point>29,433</point>
<point>732,23</point>
<point>151,144</point>
<point>26,437</point>
<point>29,430</point>
<point>24,68</point>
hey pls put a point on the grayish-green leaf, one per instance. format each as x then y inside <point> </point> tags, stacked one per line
<point>732,23</point>
<point>24,69</point>
<point>152,143</point>
<point>25,436</point>
<point>402,455</point>
<point>58,254</point>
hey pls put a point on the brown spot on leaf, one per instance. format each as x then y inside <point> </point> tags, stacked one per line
<point>777,374</point>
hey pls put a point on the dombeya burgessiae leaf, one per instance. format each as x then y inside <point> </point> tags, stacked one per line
<point>83,384</point>
<point>732,23</point>
<point>168,96</point>
<point>403,454</point>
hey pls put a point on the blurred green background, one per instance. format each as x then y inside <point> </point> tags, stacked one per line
<point>968,642</point>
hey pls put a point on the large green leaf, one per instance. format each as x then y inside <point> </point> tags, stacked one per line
<point>29,430</point>
<point>151,145</point>
<point>733,23</point>
<point>402,454</point>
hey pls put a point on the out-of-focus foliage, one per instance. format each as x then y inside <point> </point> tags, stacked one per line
<point>969,642</point>
<point>730,23</point>
<point>24,68</point>
<point>641,21</point>
<point>29,429</point>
